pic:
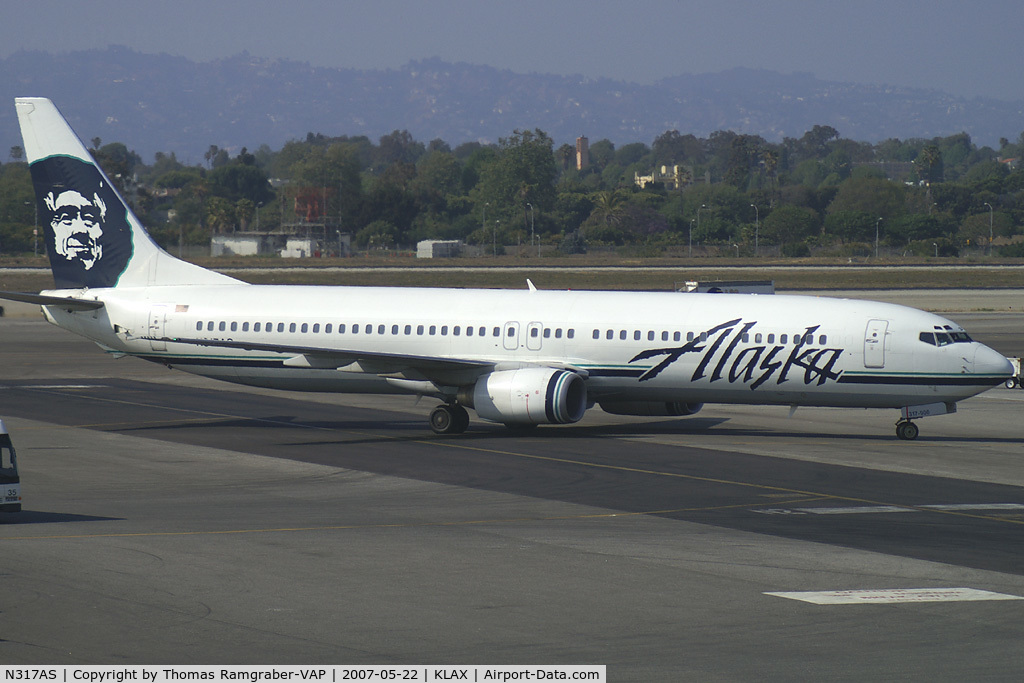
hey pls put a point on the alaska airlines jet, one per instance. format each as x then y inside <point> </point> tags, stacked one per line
<point>517,357</point>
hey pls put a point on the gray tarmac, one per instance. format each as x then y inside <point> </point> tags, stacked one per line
<point>171,519</point>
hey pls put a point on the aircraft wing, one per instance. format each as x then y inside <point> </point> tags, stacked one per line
<point>432,368</point>
<point>67,303</point>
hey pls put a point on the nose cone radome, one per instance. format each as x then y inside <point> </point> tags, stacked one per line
<point>992,363</point>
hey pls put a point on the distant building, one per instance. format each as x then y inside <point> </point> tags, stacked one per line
<point>673,177</point>
<point>438,248</point>
<point>278,244</point>
<point>582,153</point>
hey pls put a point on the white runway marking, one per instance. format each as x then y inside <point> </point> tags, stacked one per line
<point>58,386</point>
<point>887,509</point>
<point>892,595</point>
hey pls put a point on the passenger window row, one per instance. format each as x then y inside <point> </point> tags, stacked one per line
<point>370,328</point>
<point>651,335</point>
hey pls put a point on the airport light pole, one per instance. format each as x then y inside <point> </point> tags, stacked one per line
<point>533,232</point>
<point>35,229</point>
<point>989,228</point>
<point>483,220</point>
<point>690,250</point>
<point>936,249</point>
<point>702,206</point>
<point>757,226</point>
<point>876,237</point>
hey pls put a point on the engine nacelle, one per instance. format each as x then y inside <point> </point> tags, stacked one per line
<point>528,396</point>
<point>651,408</point>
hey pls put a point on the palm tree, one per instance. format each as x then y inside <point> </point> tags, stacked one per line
<point>609,204</point>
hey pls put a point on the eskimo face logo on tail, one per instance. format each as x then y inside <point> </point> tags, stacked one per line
<point>86,224</point>
<point>77,226</point>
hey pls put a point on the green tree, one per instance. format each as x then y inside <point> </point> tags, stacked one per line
<point>790,224</point>
<point>851,226</point>
<point>879,197</point>
<point>523,172</point>
<point>929,164</point>
<point>220,214</point>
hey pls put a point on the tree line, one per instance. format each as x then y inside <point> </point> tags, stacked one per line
<point>737,194</point>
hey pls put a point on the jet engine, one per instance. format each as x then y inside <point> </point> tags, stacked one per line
<point>528,396</point>
<point>651,408</point>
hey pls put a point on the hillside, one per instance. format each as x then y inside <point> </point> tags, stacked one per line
<point>170,104</point>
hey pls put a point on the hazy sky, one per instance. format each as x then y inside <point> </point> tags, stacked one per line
<point>963,47</point>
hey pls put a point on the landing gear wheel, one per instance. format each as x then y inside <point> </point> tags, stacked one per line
<point>441,420</point>
<point>1011,383</point>
<point>449,419</point>
<point>461,416</point>
<point>907,430</point>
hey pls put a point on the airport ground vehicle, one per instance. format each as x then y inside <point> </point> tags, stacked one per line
<point>1017,381</point>
<point>10,483</point>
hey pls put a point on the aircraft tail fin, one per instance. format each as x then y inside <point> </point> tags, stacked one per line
<point>93,239</point>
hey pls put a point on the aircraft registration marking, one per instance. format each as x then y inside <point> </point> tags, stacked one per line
<point>894,595</point>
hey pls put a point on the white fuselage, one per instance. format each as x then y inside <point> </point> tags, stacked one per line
<point>630,346</point>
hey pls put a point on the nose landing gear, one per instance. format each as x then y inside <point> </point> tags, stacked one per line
<point>906,430</point>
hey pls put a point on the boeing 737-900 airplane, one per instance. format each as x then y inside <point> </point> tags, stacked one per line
<point>522,357</point>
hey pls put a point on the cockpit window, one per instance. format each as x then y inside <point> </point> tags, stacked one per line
<point>943,336</point>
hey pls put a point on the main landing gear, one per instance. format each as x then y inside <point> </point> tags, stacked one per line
<point>907,430</point>
<point>449,418</point>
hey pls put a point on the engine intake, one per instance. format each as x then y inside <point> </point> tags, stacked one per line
<point>528,396</point>
<point>651,408</point>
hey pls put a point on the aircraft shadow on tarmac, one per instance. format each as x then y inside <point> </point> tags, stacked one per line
<point>40,517</point>
<point>413,430</point>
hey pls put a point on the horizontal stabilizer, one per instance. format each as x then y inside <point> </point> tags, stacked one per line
<point>67,303</point>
